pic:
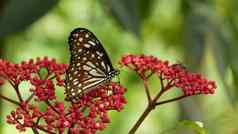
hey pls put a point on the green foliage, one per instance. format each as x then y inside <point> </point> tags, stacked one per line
<point>187,126</point>
<point>18,15</point>
<point>194,125</point>
<point>125,13</point>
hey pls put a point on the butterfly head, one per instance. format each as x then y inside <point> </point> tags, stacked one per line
<point>112,74</point>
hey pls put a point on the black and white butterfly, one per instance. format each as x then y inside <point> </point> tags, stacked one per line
<point>89,66</point>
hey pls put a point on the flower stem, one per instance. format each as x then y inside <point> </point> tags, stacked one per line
<point>15,86</point>
<point>171,100</point>
<point>9,100</point>
<point>52,107</point>
<point>44,130</point>
<point>29,98</point>
<point>35,131</point>
<point>151,106</point>
<point>141,119</point>
<point>147,90</point>
<point>152,103</point>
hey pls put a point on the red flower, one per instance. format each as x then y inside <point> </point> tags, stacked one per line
<point>175,74</point>
<point>88,116</point>
<point>27,70</point>
<point>24,116</point>
<point>44,89</point>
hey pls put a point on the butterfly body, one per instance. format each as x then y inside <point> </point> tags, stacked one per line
<point>89,66</point>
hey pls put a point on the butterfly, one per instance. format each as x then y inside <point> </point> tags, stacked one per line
<point>89,66</point>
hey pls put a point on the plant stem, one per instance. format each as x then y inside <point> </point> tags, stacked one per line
<point>151,106</point>
<point>147,90</point>
<point>44,130</point>
<point>152,103</point>
<point>141,119</point>
<point>52,107</point>
<point>35,131</point>
<point>29,98</point>
<point>15,86</point>
<point>9,100</point>
<point>170,100</point>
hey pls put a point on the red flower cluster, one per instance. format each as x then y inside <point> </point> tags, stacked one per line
<point>89,114</point>
<point>85,117</point>
<point>24,116</point>
<point>44,89</point>
<point>29,70</point>
<point>175,74</point>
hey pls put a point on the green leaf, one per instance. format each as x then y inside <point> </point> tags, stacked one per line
<point>196,28</point>
<point>220,49</point>
<point>43,73</point>
<point>144,7</point>
<point>17,15</point>
<point>194,125</point>
<point>233,49</point>
<point>186,126</point>
<point>235,81</point>
<point>129,13</point>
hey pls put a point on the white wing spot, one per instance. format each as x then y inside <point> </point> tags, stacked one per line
<point>92,43</point>
<point>73,40</point>
<point>86,35</point>
<point>108,67</point>
<point>76,35</point>
<point>73,93</point>
<point>84,58</point>
<point>93,84</point>
<point>98,53</point>
<point>79,91</point>
<point>103,64</point>
<point>87,45</point>
<point>80,39</point>
<point>93,80</point>
<point>75,72</point>
<point>95,73</point>
<point>91,64</point>
<point>80,85</point>
<point>80,50</point>
<point>85,67</point>
<point>76,82</point>
<point>93,55</point>
<point>86,73</point>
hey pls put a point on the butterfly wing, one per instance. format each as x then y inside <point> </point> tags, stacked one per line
<point>89,63</point>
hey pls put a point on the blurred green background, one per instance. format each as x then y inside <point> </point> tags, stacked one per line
<point>202,34</point>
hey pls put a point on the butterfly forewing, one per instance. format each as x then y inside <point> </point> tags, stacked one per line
<point>89,64</point>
